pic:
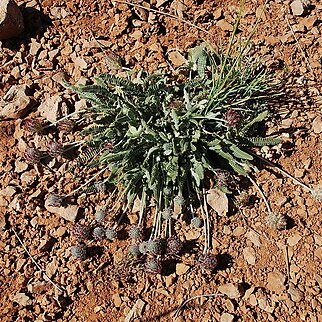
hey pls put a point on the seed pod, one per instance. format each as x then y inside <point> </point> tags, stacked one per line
<point>232,117</point>
<point>32,155</point>
<point>81,232</point>
<point>208,261</point>
<point>66,125</point>
<point>143,247</point>
<point>78,251</point>
<point>98,233</point>
<point>135,233</point>
<point>155,247</point>
<point>167,213</point>
<point>110,233</point>
<point>179,200</point>
<point>134,250</point>
<point>100,216</point>
<point>32,125</point>
<point>174,245</point>
<point>55,149</point>
<point>153,265</point>
<point>276,221</point>
<point>196,222</point>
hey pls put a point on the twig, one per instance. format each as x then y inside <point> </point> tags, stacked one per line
<point>287,261</point>
<point>193,298</point>
<point>46,277</point>
<point>165,14</point>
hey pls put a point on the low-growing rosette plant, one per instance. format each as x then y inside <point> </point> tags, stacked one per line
<point>165,139</point>
<point>160,135</point>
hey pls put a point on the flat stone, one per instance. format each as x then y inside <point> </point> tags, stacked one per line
<point>20,166</point>
<point>69,212</point>
<point>231,290</point>
<point>50,109</point>
<point>317,125</point>
<point>117,300</point>
<point>276,281</point>
<point>297,8</point>
<point>181,268</point>
<point>249,255</point>
<point>11,20</point>
<point>227,317</point>
<point>295,293</point>
<point>22,299</point>
<point>16,103</point>
<point>293,240</point>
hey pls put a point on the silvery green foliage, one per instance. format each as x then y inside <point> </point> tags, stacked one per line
<point>196,222</point>
<point>100,216</point>
<point>164,134</point>
<point>99,233</point>
<point>78,251</point>
<point>276,220</point>
<point>110,233</point>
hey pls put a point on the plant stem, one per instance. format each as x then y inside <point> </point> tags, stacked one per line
<point>261,193</point>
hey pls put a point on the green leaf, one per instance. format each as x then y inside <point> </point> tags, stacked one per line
<point>238,153</point>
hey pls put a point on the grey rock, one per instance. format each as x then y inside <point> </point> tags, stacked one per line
<point>11,20</point>
<point>16,103</point>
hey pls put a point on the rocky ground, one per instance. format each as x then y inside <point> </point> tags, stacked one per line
<point>263,274</point>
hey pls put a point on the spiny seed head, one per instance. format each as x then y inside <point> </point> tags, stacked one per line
<point>243,199</point>
<point>153,265</point>
<point>167,191</point>
<point>100,216</point>
<point>135,233</point>
<point>208,261</point>
<point>81,232</point>
<point>55,149</point>
<point>143,247</point>
<point>78,251</point>
<point>54,200</point>
<point>224,179</point>
<point>167,213</point>
<point>100,186</point>
<point>98,233</point>
<point>174,245</point>
<point>113,60</point>
<point>317,193</point>
<point>66,125</point>
<point>276,221</point>
<point>196,222</point>
<point>110,233</point>
<point>155,247</point>
<point>232,117</point>
<point>32,125</point>
<point>179,200</point>
<point>134,250</point>
<point>32,155</point>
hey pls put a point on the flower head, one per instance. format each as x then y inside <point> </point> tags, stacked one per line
<point>32,155</point>
<point>232,117</point>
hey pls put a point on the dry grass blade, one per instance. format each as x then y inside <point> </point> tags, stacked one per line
<point>166,14</point>
<point>194,298</point>
<point>36,264</point>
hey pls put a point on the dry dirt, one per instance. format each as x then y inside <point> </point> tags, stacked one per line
<point>268,275</point>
